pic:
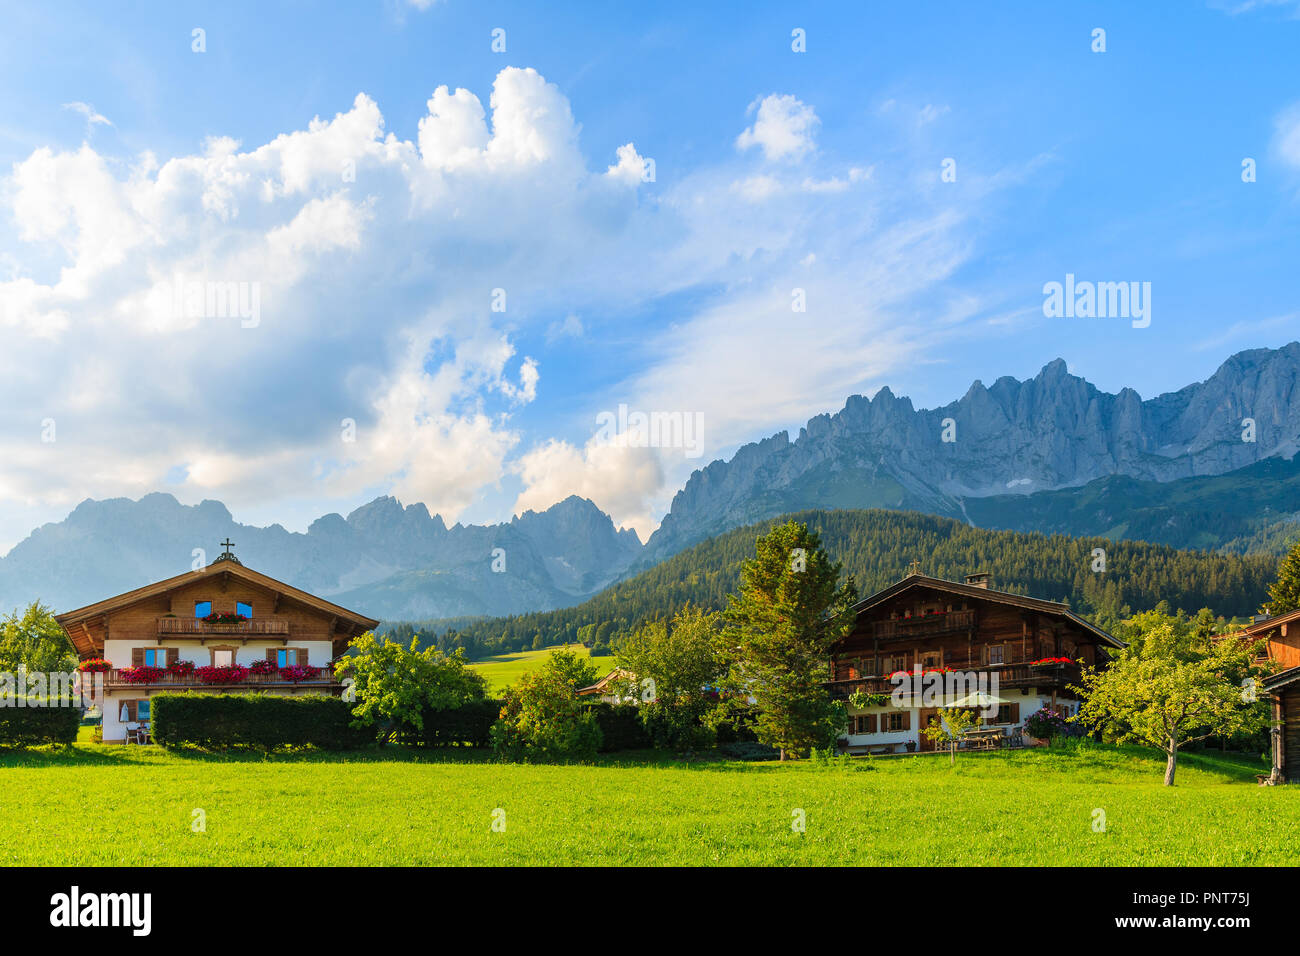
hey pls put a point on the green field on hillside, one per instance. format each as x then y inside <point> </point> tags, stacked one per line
<point>504,669</point>
<point>101,805</point>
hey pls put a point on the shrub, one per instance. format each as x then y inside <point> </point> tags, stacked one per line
<point>264,721</point>
<point>1045,724</point>
<point>33,726</point>
<point>396,685</point>
<point>620,727</point>
<point>600,650</point>
<point>469,724</point>
<point>543,717</point>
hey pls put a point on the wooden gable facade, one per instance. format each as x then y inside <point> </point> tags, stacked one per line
<point>1282,634</point>
<point>224,628</point>
<point>1034,648</point>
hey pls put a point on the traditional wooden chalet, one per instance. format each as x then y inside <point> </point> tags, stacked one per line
<point>222,629</point>
<point>1283,687</point>
<point>1030,650</point>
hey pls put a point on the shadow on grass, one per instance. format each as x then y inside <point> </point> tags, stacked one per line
<point>1081,761</point>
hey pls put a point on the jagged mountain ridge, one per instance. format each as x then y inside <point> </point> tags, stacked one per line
<point>553,558</point>
<point>1052,431</point>
<point>1051,453</point>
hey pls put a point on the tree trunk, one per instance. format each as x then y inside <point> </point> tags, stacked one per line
<point>952,754</point>
<point>1172,764</point>
<point>782,753</point>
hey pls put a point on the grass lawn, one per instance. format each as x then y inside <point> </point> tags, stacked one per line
<point>504,669</point>
<point>95,804</point>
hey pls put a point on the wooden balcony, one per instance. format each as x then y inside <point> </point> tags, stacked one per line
<point>1019,676</point>
<point>324,681</point>
<point>924,625</point>
<point>196,627</point>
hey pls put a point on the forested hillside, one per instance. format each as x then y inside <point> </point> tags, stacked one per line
<point>876,547</point>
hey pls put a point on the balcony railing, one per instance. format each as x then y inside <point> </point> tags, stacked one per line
<point>326,678</point>
<point>1008,675</point>
<point>194,625</point>
<point>943,622</point>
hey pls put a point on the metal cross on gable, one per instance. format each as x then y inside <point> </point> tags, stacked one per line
<point>227,544</point>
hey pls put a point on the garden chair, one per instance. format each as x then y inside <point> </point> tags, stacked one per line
<point>132,732</point>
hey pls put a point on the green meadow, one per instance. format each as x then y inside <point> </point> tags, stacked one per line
<point>504,669</point>
<point>99,805</point>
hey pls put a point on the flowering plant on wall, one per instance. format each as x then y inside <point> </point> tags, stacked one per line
<point>143,674</point>
<point>1051,660</point>
<point>180,668</point>
<point>1046,723</point>
<point>217,617</point>
<point>221,675</point>
<point>261,666</point>
<point>96,665</point>
<point>298,672</point>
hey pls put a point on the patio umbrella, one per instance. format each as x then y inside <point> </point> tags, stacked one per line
<point>125,715</point>
<point>979,699</point>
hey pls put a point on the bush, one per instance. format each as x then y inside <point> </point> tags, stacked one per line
<point>600,650</point>
<point>620,727</point>
<point>1046,723</point>
<point>542,716</point>
<point>469,724</point>
<point>33,726</point>
<point>219,721</point>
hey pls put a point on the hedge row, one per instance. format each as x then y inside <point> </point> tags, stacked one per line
<point>621,727</point>
<point>470,725</point>
<point>218,721</point>
<point>32,726</point>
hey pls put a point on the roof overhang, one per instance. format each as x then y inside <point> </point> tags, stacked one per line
<point>84,624</point>
<point>1049,608</point>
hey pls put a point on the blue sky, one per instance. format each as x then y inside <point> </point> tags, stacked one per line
<point>127,160</point>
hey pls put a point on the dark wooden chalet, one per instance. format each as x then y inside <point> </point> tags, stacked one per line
<point>933,624</point>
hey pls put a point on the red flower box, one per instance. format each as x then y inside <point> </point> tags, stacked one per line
<point>144,674</point>
<point>296,673</point>
<point>222,675</point>
<point>96,665</point>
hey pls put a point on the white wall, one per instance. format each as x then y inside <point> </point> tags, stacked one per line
<point>1029,701</point>
<point>118,653</point>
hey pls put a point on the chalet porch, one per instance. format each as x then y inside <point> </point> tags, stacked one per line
<point>323,682</point>
<point>1054,676</point>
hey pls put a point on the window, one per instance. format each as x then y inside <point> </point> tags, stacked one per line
<point>223,657</point>
<point>931,659</point>
<point>244,609</point>
<point>995,654</point>
<point>288,656</point>
<point>894,720</point>
<point>862,724</point>
<point>155,657</point>
<point>142,710</point>
<point>1008,714</point>
<point>202,608</point>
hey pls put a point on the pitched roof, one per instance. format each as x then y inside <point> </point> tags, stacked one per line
<point>218,568</point>
<point>1267,624</point>
<point>1282,678</point>
<point>1050,608</point>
